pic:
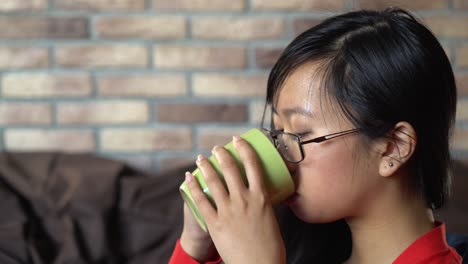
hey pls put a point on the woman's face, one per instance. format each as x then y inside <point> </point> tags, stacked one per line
<point>336,178</point>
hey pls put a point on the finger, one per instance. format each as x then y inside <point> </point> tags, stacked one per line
<point>252,165</point>
<point>212,180</point>
<point>199,198</point>
<point>231,172</point>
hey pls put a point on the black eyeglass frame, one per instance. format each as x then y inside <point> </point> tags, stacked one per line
<point>273,134</point>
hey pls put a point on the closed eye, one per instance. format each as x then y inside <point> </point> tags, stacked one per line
<point>303,134</point>
<point>278,130</point>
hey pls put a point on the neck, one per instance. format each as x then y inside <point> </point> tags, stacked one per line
<point>388,227</point>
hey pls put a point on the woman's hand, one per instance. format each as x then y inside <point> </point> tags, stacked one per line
<point>196,242</point>
<point>243,228</point>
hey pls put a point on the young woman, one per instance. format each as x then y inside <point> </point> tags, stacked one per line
<point>363,107</point>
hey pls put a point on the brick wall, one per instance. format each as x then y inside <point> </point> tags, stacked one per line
<point>155,82</point>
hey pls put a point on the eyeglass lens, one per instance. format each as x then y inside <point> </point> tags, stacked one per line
<point>289,146</point>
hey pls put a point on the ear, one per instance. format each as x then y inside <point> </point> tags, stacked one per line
<point>397,148</point>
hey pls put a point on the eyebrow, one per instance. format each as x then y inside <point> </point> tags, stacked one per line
<point>294,111</point>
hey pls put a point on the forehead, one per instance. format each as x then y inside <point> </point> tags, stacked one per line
<point>301,88</point>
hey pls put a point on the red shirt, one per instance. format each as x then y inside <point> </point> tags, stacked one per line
<point>179,256</point>
<point>431,248</point>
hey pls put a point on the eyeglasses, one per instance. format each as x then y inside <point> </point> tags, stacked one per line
<point>290,145</point>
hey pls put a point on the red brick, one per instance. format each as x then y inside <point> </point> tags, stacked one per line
<point>448,52</point>
<point>256,112</point>
<point>414,4</point>
<point>100,5</point>
<point>50,140</point>
<point>208,138</point>
<point>32,27</point>
<point>22,5</point>
<point>23,57</point>
<point>201,113</point>
<point>303,24</point>
<point>28,85</point>
<point>199,57</point>
<point>229,85</point>
<point>170,164</point>
<point>238,28</point>
<point>160,27</point>
<point>462,56</point>
<point>25,114</point>
<point>303,5</point>
<point>462,84</point>
<point>145,139</point>
<point>448,26</point>
<point>102,56</point>
<point>461,4</point>
<point>266,57</point>
<point>104,112</point>
<point>143,85</point>
<point>462,111</point>
<point>460,140</point>
<point>199,5</point>
<point>62,27</point>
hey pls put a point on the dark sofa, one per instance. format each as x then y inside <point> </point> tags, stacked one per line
<point>80,208</point>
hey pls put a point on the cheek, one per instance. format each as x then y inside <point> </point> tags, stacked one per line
<point>330,178</point>
<point>327,184</point>
<point>331,166</point>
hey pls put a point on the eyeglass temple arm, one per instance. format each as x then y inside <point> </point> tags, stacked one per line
<point>330,136</point>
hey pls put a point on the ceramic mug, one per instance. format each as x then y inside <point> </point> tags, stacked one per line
<point>277,178</point>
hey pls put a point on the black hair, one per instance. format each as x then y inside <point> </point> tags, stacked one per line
<point>381,67</point>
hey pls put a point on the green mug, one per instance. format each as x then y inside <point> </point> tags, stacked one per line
<point>277,178</point>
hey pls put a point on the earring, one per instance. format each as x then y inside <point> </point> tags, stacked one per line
<point>390,164</point>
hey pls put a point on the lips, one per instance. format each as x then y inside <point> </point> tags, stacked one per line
<point>291,199</point>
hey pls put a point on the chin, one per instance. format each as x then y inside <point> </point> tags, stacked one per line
<point>313,217</point>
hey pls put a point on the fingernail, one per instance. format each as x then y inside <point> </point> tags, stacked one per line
<point>199,158</point>
<point>214,150</point>
<point>235,141</point>
<point>188,177</point>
